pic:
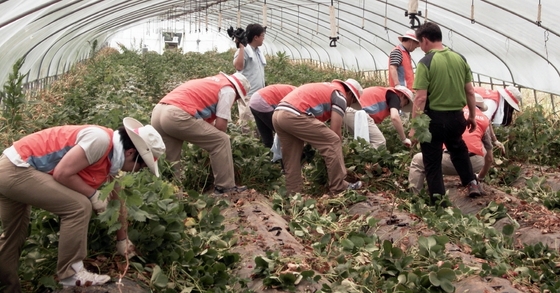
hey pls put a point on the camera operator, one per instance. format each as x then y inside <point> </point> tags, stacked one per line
<point>250,61</point>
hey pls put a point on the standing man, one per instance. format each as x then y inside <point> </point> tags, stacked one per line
<point>198,112</point>
<point>249,60</point>
<point>262,104</point>
<point>60,169</point>
<point>478,143</point>
<point>400,62</point>
<point>380,103</point>
<point>443,85</point>
<point>300,118</point>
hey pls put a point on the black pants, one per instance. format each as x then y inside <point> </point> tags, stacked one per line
<point>264,126</point>
<point>448,128</point>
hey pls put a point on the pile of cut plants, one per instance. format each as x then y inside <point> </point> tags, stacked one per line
<point>379,239</point>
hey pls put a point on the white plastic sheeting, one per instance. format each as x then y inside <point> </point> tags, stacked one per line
<point>504,41</point>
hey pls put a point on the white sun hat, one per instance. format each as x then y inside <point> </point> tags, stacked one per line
<point>147,140</point>
<point>409,95</point>
<point>480,102</point>
<point>410,34</point>
<point>241,84</point>
<point>354,86</point>
<point>512,96</point>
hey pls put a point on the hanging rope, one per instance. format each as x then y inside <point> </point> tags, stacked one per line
<point>385,19</point>
<point>539,14</point>
<point>281,18</point>
<point>206,20</point>
<point>363,14</point>
<point>265,20</point>
<point>190,17</point>
<point>297,31</point>
<point>546,35</point>
<point>238,13</point>
<point>220,17</point>
<point>426,12</point>
<point>333,36</point>
<point>450,36</point>
<point>472,12</point>
<point>317,30</point>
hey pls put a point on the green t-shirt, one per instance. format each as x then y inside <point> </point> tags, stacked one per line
<point>444,74</point>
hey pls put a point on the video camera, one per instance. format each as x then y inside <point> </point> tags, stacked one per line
<point>239,36</point>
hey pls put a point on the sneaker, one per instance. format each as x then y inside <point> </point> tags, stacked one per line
<point>220,190</point>
<point>84,278</point>
<point>355,186</point>
<point>474,189</point>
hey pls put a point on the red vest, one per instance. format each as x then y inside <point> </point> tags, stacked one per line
<point>473,140</point>
<point>272,94</point>
<point>493,95</point>
<point>374,102</point>
<point>315,98</point>
<point>198,97</point>
<point>43,150</point>
<point>406,65</point>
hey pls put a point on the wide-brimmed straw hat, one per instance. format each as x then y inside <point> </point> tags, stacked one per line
<point>409,95</point>
<point>512,96</point>
<point>410,34</point>
<point>480,102</point>
<point>147,140</point>
<point>354,86</point>
<point>241,84</point>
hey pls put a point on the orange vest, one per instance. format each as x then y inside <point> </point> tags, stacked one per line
<point>198,97</point>
<point>315,98</point>
<point>272,94</point>
<point>473,140</point>
<point>374,102</point>
<point>405,68</point>
<point>488,94</point>
<point>43,150</point>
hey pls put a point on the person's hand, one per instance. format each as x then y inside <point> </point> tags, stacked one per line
<point>126,248</point>
<point>500,145</point>
<point>471,124</point>
<point>407,142</point>
<point>98,205</point>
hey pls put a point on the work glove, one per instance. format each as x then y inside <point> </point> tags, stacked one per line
<point>98,205</point>
<point>407,142</point>
<point>500,145</point>
<point>126,248</point>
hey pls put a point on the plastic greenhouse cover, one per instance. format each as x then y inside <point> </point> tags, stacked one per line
<point>505,40</point>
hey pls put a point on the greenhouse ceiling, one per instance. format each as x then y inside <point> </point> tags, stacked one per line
<point>511,41</point>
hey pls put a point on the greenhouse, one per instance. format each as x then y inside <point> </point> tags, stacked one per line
<point>175,224</point>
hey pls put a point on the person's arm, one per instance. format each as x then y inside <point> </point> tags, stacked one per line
<point>418,107</point>
<point>221,124</point>
<point>393,74</point>
<point>397,123</point>
<point>488,158</point>
<point>239,59</point>
<point>66,171</point>
<point>395,59</point>
<point>336,124</point>
<point>226,97</point>
<point>495,140</point>
<point>471,103</point>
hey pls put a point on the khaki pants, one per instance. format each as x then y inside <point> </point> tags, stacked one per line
<point>176,126</point>
<point>417,174</point>
<point>293,130</point>
<point>376,138</point>
<point>245,114</point>
<point>22,188</point>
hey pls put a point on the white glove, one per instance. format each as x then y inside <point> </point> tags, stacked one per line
<point>126,248</point>
<point>98,205</point>
<point>500,145</point>
<point>407,142</point>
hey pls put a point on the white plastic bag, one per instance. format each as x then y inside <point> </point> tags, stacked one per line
<point>276,149</point>
<point>361,128</point>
